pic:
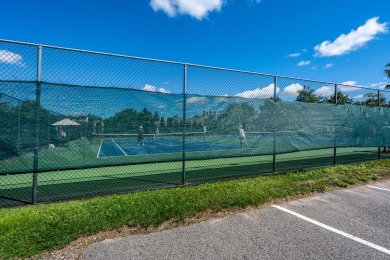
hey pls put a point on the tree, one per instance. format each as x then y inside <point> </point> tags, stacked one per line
<point>341,99</point>
<point>145,118</point>
<point>239,113</point>
<point>277,98</point>
<point>371,100</point>
<point>122,122</point>
<point>308,96</point>
<point>156,116</point>
<point>387,72</point>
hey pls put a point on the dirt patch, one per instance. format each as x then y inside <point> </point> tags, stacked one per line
<point>310,181</point>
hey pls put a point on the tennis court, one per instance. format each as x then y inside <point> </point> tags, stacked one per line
<point>162,145</point>
<point>173,143</point>
<point>258,142</point>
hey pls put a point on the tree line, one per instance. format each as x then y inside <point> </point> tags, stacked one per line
<point>371,99</point>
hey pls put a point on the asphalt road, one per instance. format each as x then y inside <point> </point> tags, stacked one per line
<point>344,224</point>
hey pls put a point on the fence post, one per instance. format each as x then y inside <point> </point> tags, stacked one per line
<point>274,141</point>
<point>183,172</point>
<point>379,105</point>
<point>37,111</point>
<point>19,128</point>
<point>333,130</point>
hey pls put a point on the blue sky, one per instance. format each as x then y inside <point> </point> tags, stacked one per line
<point>336,41</point>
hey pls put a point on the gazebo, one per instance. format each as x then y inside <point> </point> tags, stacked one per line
<point>66,130</point>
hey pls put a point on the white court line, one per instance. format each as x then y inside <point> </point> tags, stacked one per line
<point>119,147</point>
<point>378,188</point>
<point>101,143</point>
<point>364,242</point>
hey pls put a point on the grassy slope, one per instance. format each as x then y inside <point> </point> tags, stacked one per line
<point>32,230</point>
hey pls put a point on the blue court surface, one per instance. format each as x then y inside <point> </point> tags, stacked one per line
<point>113,147</point>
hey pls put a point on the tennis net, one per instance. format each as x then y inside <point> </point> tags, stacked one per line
<point>152,137</point>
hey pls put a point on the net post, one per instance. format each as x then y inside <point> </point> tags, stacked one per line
<point>183,171</point>
<point>37,111</point>
<point>379,105</point>
<point>334,137</point>
<point>274,141</point>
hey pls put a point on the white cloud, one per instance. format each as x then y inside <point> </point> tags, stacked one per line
<point>303,63</point>
<point>329,65</point>
<point>10,57</point>
<point>380,85</point>
<point>195,8</point>
<point>256,1</point>
<point>148,87</point>
<point>373,85</point>
<point>160,106</point>
<point>347,88</point>
<point>266,92</point>
<point>293,55</point>
<point>349,83</point>
<point>325,91</point>
<point>352,41</point>
<point>358,96</point>
<point>163,90</point>
<point>221,99</point>
<point>197,100</point>
<point>292,90</point>
<point>152,88</point>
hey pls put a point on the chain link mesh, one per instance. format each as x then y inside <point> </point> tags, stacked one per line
<point>88,124</point>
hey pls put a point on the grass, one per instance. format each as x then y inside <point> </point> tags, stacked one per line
<point>32,230</point>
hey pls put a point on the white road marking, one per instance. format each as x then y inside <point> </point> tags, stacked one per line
<point>378,188</point>
<point>364,242</point>
<point>119,147</point>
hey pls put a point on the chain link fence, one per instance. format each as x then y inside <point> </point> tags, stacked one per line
<point>78,124</point>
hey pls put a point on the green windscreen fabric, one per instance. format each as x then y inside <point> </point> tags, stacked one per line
<point>86,126</point>
<point>305,126</point>
<point>10,112</point>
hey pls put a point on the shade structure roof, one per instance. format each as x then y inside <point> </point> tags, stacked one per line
<point>66,121</point>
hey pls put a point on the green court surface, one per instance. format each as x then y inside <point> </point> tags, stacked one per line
<point>71,184</point>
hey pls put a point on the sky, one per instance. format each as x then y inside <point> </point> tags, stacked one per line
<point>333,41</point>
